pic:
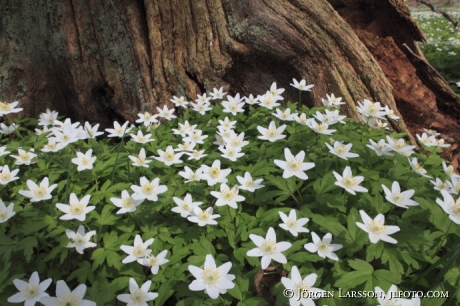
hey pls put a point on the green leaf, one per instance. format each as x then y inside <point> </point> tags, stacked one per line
<point>203,247</point>
<point>28,244</point>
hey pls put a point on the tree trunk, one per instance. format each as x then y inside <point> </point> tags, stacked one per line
<point>105,60</point>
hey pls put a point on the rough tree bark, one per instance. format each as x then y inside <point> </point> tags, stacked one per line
<point>105,60</point>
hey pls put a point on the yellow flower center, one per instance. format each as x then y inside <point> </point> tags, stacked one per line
<point>269,247</point>
<point>321,127</point>
<point>294,164</point>
<point>39,191</point>
<point>456,207</point>
<point>272,133</point>
<point>377,227</point>
<point>69,300</point>
<point>127,202</point>
<point>4,106</point>
<point>341,149</point>
<point>211,276</point>
<point>139,250</point>
<point>76,208</point>
<point>291,223</point>
<point>349,181</point>
<point>204,215</point>
<point>169,155</point>
<point>85,161</point>
<point>148,188</point>
<point>25,156</point>
<point>214,172</point>
<point>398,197</point>
<point>30,291</point>
<point>138,296</point>
<point>400,144</point>
<point>2,214</point>
<point>5,176</point>
<point>186,206</point>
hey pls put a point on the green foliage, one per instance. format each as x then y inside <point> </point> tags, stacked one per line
<point>426,256</point>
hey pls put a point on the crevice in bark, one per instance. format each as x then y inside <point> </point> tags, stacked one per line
<point>192,76</point>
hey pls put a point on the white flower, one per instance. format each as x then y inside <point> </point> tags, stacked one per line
<point>227,124</point>
<point>292,224</point>
<point>166,113</point>
<point>332,101</point>
<point>371,110</point>
<point>330,118</point>
<point>185,207</point>
<point>390,113</point>
<point>440,185</point>
<point>184,128</point>
<point>303,291</point>
<point>6,176</point>
<point>398,198</point>
<point>247,183</point>
<point>25,158</point>
<point>203,217</point>
<point>147,118</point>
<point>212,279</point>
<point>48,118</point>
<point>77,209</point>
<point>38,193</point>
<point>302,119</point>
<point>169,157</point>
<point>399,145</point>
<point>268,249</point>
<point>65,297</point>
<point>126,204</point>
<point>268,100</point>
<point>450,171</point>
<point>427,141</point>
<point>140,160</point>
<point>440,143</point>
<point>185,146</point>
<point>196,154</point>
<point>230,152</point>
<point>349,182</point>
<point>302,85</point>
<point>376,228</point>
<point>139,296</point>
<point>450,206</point>
<point>203,98</point>
<point>92,132</point>
<point>141,138</point>
<point>7,129</point>
<point>195,137</point>
<point>390,298</point>
<point>271,134</point>
<point>251,100</point>
<point>321,128</point>
<point>227,196</point>
<point>380,148</point>
<point>80,240</point>
<point>234,105</point>
<point>138,251</point>
<point>53,146</point>
<point>84,161</point>
<point>214,174</point>
<point>7,108</point>
<point>342,151</point>
<point>190,175</point>
<point>179,101</point>
<point>218,93</point>
<point>3,151</point>
<point>155,261</point>
<point>323,247</point>
<point>148,190</point>
<point>286,115</point>
<point>294,165</point>
<point>201,107</point>
<point>118,130</point>
<point>31,292</point>
<point>276,91</point>
<point>417,167</point>
<point>236,141</point>
<point>431,132</point>
<point>6,212</point>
